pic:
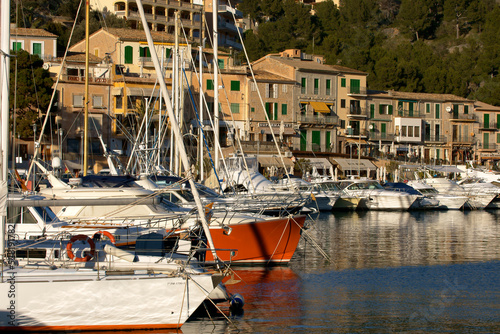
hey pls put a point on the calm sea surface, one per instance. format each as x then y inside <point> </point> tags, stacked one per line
<point>420,272</point>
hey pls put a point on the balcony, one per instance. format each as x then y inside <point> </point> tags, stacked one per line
<point>467,139</point>
<point>76,78</point>
<point>489,126</point>
<point>318,119</point>
<point>356,133</point>
<point>381,136</point>
<point>228,10</point>
<point>408,113</point>
<point>488,146</point>
<point>357,112</point>
<point>226,26</point>
<point>435,139</point>
<point>463,118</point>
<point>356,91</point>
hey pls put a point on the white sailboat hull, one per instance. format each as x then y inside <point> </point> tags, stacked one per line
<point>68,300</point>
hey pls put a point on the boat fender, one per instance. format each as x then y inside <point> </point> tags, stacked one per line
<point>236,301</point>
<point>84,238</point>
<point>97,236</point>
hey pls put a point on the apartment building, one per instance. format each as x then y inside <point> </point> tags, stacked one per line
<point>488,133</point>
<point>431,128</point>
<point>35,41</point>
<point>160,14</point>
<point>229,25</point>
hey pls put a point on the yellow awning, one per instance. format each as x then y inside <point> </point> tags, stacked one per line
<point>320,107</point>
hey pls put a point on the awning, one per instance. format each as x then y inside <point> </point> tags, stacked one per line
<point>352,164</point>
<point>320,107</point>
<point>274,161</point>
<point>320,163</point>
<point>146,92</point>
<point>356,141</point>
<point>117,91</point>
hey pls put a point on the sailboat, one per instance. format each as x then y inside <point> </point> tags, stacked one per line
<point>49,298</point>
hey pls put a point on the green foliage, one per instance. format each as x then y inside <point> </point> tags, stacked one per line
<point>32,92</point>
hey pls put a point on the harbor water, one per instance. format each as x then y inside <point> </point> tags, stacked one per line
<point>421,272</point>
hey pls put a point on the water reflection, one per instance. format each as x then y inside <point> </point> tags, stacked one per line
<point>379,239</point>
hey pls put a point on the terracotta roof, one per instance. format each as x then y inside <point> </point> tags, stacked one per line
<point>128,34</point>
<point>77,57</point>
<point>267,76</point>
<point>31,32</point>
<point>418,96</point>
<point>481,106</point>
<point>312,65</point>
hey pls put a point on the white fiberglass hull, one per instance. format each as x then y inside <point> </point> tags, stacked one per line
<point>49,300</point>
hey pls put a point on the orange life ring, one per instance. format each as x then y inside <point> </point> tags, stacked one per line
<point>107,234</point>
<point>81,237</point>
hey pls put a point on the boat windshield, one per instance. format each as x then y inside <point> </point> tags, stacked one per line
<point>365,186</point>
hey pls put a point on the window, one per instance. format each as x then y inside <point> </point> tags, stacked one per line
<point>303,86</point>
<point>427,108</point>
<point>343,82</point>
<point>16,46</point>
<point>316,86</point>
<point>253,86</point>
<point>129,55</point>
<point>284,108</point>
<point>37,49</point>
<point>355,86</point>
<point>372,111</point>
<point>342,103</point>
<point>328,86</point>
<point>220,62</point>
<point>498,121</point>
<point>498,138</point>
<point>466,110</point>
<point>403,130</point>
<point>268,110</point>
<point>437,108</point>
<point>283,88</point>
<point>77,101</point>
<point>272,91</point>
<point>235,108</point>
<point>416,133</point>
<point>235,86</point>
<point>210,84</point>
<point>275,111</point>
<point>119,102</point>
<point>410,131</point>
<point>97,101</point>
<point>252,109</point>
<point>144,52</point>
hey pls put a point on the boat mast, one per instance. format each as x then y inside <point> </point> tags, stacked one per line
<point>176,129</point>
<point>4,130</point>
<point>215,10</point>
<point>86,98</point>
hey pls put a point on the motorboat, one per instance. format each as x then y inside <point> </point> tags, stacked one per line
<point>375,196</point>
<point>446,201</point>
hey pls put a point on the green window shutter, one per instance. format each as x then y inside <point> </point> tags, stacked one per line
<point>486,140</point>
<point>316,140</point>
<point>428,108</point>
<point>210,84</point>
<point>303,86</point>
<point>455,111</point>
<point>129,55</point>
<point>410,107</point>
<point>400,108</point>
<point>498,138</point>
<point>252,109</point>
<point>383,128</point>
<point>498,121</point>
<point>303,140</point>
<point>328,86</point>
<point>275,111</point>
<point>16,46</point>
<point>268,110</point>
<point>167,53</point>
<point>355,86</point>
<point>380,109</point>
<point>328,140</point>
<point>284,108</point>
<point>390,109</point>
<point>316,86</point>
<point>372,110</point>
<point>343,82</point>
<point>235,108</point>
<point>466,109</point>
<point>486,118</point>
<point>37,49</point>
<point>235,86</point>
<point>438,153</point>
<point>221,63</point>
<point>438,107</point>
